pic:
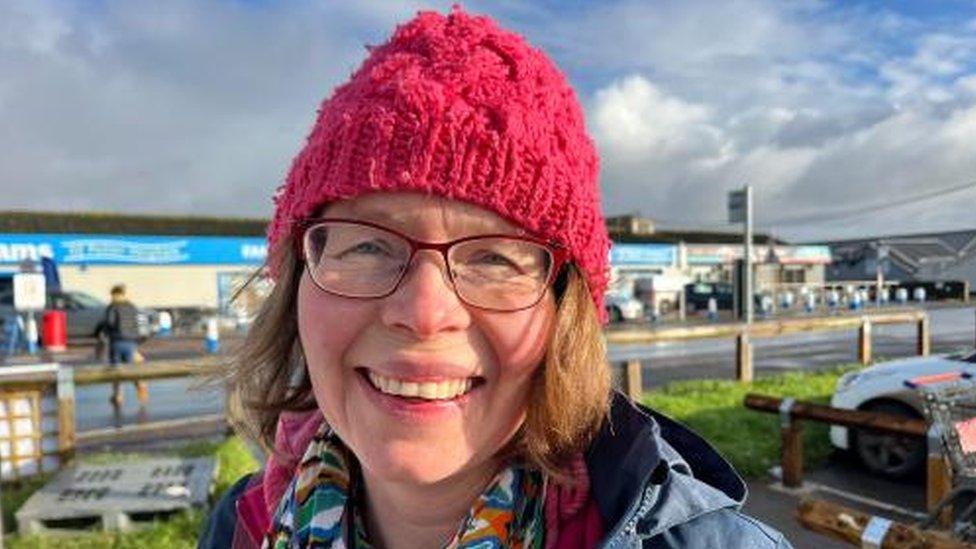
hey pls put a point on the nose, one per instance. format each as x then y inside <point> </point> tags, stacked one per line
<point>425,303</point>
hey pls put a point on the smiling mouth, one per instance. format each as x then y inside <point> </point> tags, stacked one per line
<point>447,389</point>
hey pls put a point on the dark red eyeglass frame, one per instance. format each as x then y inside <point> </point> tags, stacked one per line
<point>557,252</point>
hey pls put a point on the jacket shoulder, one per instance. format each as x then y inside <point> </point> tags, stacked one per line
<point>219,529</point>
<point>727,527</point>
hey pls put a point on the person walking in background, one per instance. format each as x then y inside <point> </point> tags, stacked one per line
<point>122,328</point>
<point>13,334</point>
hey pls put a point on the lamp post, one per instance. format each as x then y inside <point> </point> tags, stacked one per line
<point>740,211</point>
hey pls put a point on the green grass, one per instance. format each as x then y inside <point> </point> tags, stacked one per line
<point>180,530</point>
<point>749,439</point>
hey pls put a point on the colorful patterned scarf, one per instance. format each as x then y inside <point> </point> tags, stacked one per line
<point>322,506</point>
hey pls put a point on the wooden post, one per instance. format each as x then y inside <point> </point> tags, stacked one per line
<point>633,383</point>
<point>965,291</point>
<point>66,413</point>
<point>938,477</point>
<point>864,342</point>
<point>848,525</point>
<point>924,342</point>
<point>791,459</point>
<point>743,358</point>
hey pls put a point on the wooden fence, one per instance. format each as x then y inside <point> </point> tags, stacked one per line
<point>792,414</point>
<point>744,335</point>
<point>30,387</point>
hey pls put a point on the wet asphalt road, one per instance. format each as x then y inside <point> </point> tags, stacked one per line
<point>952,329</point>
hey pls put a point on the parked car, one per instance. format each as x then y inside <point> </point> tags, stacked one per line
<point>85,313</point>
<point>881,388</point>
<point>698,294</point>
<point>623,307</point>
<point>659,292</point>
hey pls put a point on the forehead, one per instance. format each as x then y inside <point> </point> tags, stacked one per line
<point>422,215</point>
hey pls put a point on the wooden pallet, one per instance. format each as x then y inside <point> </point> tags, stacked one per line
<point>117,496</point>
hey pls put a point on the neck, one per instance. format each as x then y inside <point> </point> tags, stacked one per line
<point>403,515</point>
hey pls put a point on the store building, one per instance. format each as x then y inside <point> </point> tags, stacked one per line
<point>929,257</point>
<point>174,271</point>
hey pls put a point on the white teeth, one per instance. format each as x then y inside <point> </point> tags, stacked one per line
<point>428,390</point>
<point>443,390</point>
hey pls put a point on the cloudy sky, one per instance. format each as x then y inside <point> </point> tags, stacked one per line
<point>848,118</point>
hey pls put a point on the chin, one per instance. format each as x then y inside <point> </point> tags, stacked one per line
<point>412,462</point>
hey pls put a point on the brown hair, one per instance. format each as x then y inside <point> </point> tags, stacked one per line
<point>567,405</point>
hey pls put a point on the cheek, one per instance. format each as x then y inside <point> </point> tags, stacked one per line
<point>327,326</point>
<point>319,325</point>
<point>519,340</point>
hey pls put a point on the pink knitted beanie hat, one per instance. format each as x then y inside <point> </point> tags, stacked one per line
<point>458,107</point>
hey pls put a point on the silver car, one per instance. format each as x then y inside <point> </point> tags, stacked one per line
<point>85,313</point>
<point>622,307</point>
<point>882,388</point>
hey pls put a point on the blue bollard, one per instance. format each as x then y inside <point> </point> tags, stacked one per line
<point>213,335</point>
<point>30,334</point>
<point>901,296</point>
<point>712,309</point>
<point>810,302</point>
<point>165,324</point>
<point>919,294</point>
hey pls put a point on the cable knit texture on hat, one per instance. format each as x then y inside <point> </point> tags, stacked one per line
<point>458,107</point>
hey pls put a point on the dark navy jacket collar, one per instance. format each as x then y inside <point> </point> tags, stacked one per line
<point>638,448</point>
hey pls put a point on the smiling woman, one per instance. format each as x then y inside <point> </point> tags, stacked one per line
<point>429,367</point>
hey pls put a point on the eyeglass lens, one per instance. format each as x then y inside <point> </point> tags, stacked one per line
<point>356,260</point>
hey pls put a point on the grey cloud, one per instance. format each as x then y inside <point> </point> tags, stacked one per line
<point>176,107</point>
<point>185,107</point>
<point>811,107</point>
<point>815,129</point>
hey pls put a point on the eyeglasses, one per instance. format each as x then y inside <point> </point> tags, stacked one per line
<point>358,259</point>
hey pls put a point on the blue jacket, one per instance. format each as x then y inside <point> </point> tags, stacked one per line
<point>655,482</point>
<point>658,484</point>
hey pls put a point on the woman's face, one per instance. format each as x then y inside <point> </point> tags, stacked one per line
<point>421,334</point>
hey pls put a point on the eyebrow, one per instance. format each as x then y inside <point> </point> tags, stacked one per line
<point>469,223</point>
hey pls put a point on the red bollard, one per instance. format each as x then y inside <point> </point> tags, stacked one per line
<point>54,331</point>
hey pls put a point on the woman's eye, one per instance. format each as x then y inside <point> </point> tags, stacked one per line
<point>370,248</point>
<point>493,259</point>
<point>365,248</point>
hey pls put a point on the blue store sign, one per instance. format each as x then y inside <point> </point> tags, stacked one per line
<point>643,254</point>
<point>91,249</point>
